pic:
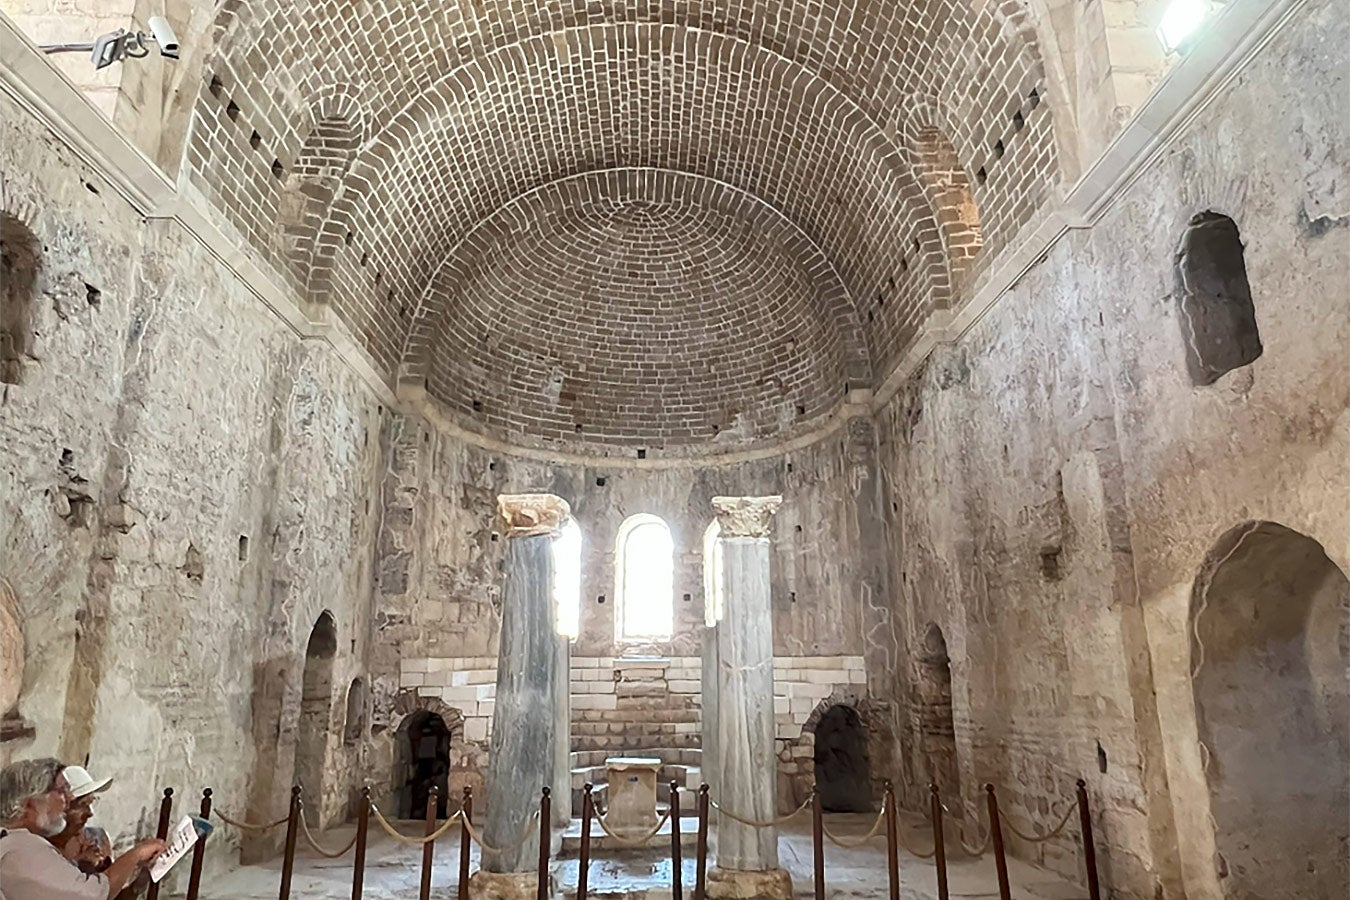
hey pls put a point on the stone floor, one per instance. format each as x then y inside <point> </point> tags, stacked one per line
<point>393,870</point>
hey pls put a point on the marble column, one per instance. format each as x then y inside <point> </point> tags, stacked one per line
<point>562,741</point>
<point>747,766</point>
<point>524,717</point>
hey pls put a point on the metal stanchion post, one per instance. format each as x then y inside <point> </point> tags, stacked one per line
<point>465,843</point>
<point>996,837</point>
<point>583,869</point>
<point>429,848</point>
<point>162,832</point>
<point>199,851</point>
<point>362,831</point>
<point>939,841</point>
<point>545,821</point>
<point>818,843</point>
<point>676,864</point>
<point>892,843</point>
<point>292,829</point>
<point>1089,848</point>
<point>701,858</point>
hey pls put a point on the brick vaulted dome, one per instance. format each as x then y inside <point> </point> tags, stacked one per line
<point>652,224</point>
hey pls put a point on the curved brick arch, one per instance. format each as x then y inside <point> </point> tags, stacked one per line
<point>408,702</point>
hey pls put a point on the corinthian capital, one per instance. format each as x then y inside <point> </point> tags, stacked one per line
<point>529,514</point>
<point>745,516</point>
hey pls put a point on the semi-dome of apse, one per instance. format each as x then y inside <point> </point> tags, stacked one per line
<point>679,225</point>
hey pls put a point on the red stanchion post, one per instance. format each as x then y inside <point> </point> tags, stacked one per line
<point>701,853</point>
<point>1089,848</point>
<point>199,851</point>
<point>362,831</point>
<point>996,837</point>
<point>939,841</point>
<point>584,866</point>
<point>818,843</point>
<point>545,821</point>
<point>288,859</point>
<point>162,832</point>
<point>892,843</point>
<point>429,848</point>
<point>676,863</point>
<point>465,844</point>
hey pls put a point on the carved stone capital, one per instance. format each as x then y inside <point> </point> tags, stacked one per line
<point>745,516</point>
<point>524,515</point>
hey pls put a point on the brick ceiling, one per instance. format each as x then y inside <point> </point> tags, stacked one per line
<point>626,224</point>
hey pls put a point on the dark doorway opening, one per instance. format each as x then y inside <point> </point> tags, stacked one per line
<point>843,775</point>
<point>422,760</point>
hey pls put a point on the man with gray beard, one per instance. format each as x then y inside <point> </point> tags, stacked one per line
<point>33,800</point>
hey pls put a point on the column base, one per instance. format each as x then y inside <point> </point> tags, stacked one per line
<point>507,886</point>
<point>744,884</point>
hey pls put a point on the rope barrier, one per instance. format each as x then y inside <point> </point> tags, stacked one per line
<point>851,844</point>
<point>973,851</point>
<point>420,839</point>
<point>522,838</point>
<point>773,823</point>
<point>249,826</point>
<point>1040,839</point>
<point>309,838</point>
<point>626,841</point>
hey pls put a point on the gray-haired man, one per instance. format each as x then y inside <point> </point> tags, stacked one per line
<point>33,800</point>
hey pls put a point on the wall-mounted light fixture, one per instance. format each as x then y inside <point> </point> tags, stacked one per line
<point>117,45</point>
<point>1182,21</point>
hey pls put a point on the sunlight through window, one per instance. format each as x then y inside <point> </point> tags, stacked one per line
<point>645,560</point>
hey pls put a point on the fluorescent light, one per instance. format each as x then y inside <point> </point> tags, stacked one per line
<point>1180,22</point>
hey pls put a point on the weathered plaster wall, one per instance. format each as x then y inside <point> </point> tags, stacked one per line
<point>164,416</point>
<point>1063,480</point>
<point>439,553</point>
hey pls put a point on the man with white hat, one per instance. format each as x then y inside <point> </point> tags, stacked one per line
<point>84,790</point>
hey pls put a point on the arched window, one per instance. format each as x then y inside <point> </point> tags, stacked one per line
<point>1218,319</point>
<point>355,727</point>
<point>644,580</point>
<point>567,579</point>
<point>712,574</point>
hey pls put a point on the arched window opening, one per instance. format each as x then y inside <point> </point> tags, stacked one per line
<point>712,574</point>
<point>1270,649</point>
<point>949,188</point>
<point>937,726</point>
<point>843,771</point>
<point>355,727</point>
<point>567,579</point>
<point>1218,320</point>
<point>421,761</point>
<point>20,261</point>
<point>316,711</point>
<point>644,580</point>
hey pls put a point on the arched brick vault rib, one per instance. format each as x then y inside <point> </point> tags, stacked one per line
<point>475,142</point>
<point>974,55</point>
<point>598,300</point>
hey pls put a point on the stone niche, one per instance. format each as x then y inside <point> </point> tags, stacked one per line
<point>12,725</point>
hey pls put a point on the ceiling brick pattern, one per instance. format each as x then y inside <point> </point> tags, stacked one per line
<point>823,113</point>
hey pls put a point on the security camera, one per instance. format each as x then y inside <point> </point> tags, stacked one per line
<point>164,36</point>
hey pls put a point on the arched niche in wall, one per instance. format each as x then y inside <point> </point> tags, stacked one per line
<point>1270,660</point>
<point>309,232</point>
<point>12,726</point>
<point>316,714</point>
<point>1218,318</point>
<point>937,727</point>
<point>948,187</point>
<point>20,263</point>
<point>354,727</point>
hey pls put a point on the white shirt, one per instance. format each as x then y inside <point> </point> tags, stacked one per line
<point>31,868</point>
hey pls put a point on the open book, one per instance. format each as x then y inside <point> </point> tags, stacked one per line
<point>190,830</point>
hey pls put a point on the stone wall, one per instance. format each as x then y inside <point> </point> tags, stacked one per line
<point>1063,479</point>
<point>186,487</point>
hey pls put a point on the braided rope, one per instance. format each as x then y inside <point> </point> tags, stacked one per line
<point>394,833</point>
<point>850,844</point>
<point>1039,839</point>
<point>973,851</point>
<point>627,841</point>
<point>309,838</point>
<point>249,826</point>
<point>772,823</point>
<point>489,849</point>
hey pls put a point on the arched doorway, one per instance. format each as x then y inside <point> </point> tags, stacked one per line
<point>316,712</point>
<point>421,760</point>
<point>1270,647</point>
<point>937,728</point>
<point>843,773</point>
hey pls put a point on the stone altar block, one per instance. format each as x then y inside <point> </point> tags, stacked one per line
<point>632,792</point>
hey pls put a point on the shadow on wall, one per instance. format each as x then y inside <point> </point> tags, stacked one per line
<point>1270,664</point>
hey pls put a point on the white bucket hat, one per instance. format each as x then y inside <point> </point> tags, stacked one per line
<point>82,784</point>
